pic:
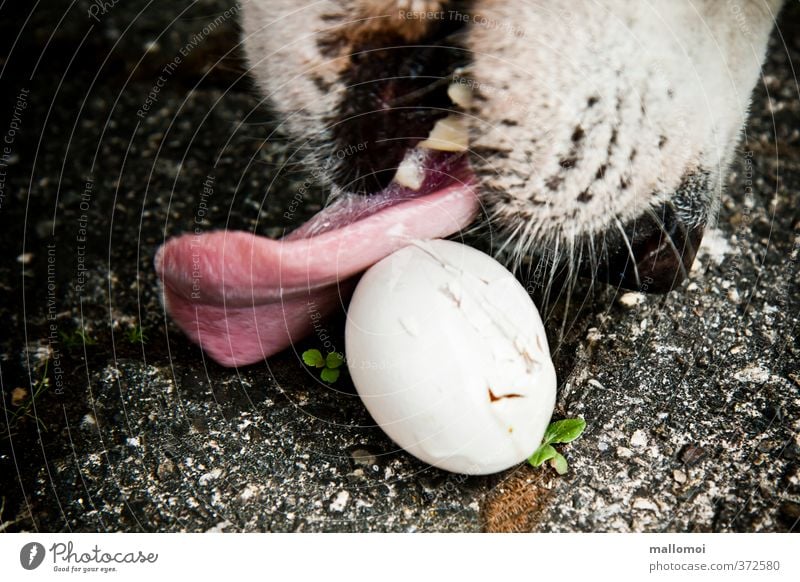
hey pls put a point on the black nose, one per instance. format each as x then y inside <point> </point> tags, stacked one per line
<point>654,255</point>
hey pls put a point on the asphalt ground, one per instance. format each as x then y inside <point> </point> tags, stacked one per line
<point>113,421</point>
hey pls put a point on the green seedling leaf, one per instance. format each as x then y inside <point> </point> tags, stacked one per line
<point>542,454</point>
<point>68,340</point>
<point>136,335</point>
<point>314,358</point>
<point>84,335</point>
<point>329,375</point>
<point>559,463</point>
<point>564,431</point>
<point>560,431</point>
<point>76,339</point>
<point>334,360</point>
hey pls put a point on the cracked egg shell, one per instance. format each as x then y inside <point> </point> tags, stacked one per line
<point>450,357</point>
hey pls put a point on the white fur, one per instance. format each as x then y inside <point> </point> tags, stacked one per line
<point>280,40</point>
<point>627,55</point>
<point>671,79</point>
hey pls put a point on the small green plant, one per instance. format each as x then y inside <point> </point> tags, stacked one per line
<point>77,339</point>
<point>330,364</point>
<point>136,335</point>
<point>560,431</point>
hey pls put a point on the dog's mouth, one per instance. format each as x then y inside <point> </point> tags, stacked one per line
<point>244,297</point>
<point>423,176</point>
<point>399,146</point>
<point>355,231</point>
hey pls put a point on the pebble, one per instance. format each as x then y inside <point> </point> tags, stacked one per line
<point>220,527</point>
<point>363,457</point>
<point>631,299</point>
<point>340,502</point>
<point>165,469</point>
<point>642,503</point>
<point>691,455</point>
<point>752,373</point>
<point>88,421</point>
<point>624,452</point>
<point>639,439</point>
<point>210,476</point>
<point>593,335</point>
<point>248,493</point>
<point>679,476</point>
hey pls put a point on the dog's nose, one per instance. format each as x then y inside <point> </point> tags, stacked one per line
<point>654,254</point>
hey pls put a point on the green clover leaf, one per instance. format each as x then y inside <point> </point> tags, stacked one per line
<point>334,360</point>
<point>330,364</point>
<point>559,432</point>
<point>329,375</point>
<point>314,358</point>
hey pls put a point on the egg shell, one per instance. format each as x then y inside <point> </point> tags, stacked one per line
<point>450,357</point>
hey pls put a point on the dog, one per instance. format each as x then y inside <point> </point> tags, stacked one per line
<point>594,137</point>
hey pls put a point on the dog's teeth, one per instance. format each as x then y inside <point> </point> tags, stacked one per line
<point>410,172</point>
<point>460,94</point>
<point>448,135</point>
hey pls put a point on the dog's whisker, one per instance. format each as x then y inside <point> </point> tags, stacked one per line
<point>627,242</point>
<point>678,255</point>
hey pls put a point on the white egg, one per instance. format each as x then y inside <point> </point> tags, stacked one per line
<point>449,355</point>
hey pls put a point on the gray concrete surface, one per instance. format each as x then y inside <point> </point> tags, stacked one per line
<point>692,399</point>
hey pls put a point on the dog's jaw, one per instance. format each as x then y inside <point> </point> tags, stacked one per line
<point>586,117</point>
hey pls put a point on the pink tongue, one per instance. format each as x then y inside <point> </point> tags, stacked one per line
<point>243,297</point>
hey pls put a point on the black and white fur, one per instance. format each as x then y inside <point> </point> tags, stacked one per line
<point>587,116</point>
